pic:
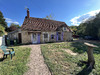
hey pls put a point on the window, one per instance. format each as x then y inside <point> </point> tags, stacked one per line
<point>52,36</point>
<point>64,28</point>
<point>45,35</point>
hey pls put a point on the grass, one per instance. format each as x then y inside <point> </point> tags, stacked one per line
<point>16,66</point>
<point>62,63</point>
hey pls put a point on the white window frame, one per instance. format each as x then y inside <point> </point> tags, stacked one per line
<point>45,33</point>
<point>64,29</point>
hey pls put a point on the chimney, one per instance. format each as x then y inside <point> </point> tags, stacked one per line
<point>28,14</point>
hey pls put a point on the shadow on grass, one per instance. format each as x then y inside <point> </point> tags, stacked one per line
<point>78,47</point>
<point>1,59</point>
<point>84,71</point>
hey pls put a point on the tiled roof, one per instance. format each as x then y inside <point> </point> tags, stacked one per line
<point>40,24</point>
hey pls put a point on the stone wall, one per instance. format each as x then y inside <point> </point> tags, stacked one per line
<point>26,36</point>
<point>68,36</point>
<point>43,40</point>
<point>13,36</point>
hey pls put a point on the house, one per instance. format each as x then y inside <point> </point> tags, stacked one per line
<point>39,30</point>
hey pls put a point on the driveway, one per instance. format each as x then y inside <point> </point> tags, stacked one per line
<point>36,63</point>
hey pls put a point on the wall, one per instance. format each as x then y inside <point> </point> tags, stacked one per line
<point>42,39</point>
<point>68,36</point>
<point>26,37</point>
<point>0,41</point>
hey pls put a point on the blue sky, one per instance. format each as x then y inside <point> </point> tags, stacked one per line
<point>73,12</point>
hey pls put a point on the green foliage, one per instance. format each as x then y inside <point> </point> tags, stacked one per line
<point>62,63</point>
<point>49,17</point>
<point>2,30</point>
<point>18,64</point>
<point>90,28</point>
<point>12,24</point>
<point>2,20</point>
<point>8,42</point>
<point>12,27</point>
<point>99,32</point>
<point>74,29</point>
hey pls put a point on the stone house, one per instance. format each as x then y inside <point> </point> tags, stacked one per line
<point>39,30</point>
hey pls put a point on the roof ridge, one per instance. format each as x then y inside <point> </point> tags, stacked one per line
<point>42,24</point>
<point>47,19</point>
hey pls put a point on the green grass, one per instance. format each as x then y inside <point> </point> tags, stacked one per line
<point>62,63</point>
<point>16,66</point>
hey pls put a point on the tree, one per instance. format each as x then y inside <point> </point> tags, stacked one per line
<point>2,30</point>
<point>16,25</point>
<point>90,27</point>
<point>49,17</point>
<point>2,20</point>
<point>74,29</point>
<point>13,27</point>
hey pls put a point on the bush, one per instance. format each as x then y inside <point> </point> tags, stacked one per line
<point>8,42</point>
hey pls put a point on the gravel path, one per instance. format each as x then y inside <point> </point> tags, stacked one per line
<point>36,63</point>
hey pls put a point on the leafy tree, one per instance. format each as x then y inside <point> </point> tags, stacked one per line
<point>12,27</point>
<point>90,28</point>
<point>16,25</point>
<point>74,29</point>
<point>2,30</point>
<point>2,20</point>
<point>49,17</point>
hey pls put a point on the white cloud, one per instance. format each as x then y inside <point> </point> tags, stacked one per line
<point>83,18</point>
<point>8,20</point>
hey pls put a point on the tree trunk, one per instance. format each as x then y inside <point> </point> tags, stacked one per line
<point>91,60</point>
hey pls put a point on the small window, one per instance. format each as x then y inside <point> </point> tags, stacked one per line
<point>45,35</point>
<point>64,28</point>
<point>52,36</point>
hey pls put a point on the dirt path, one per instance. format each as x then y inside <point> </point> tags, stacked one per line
<point>36,63</point>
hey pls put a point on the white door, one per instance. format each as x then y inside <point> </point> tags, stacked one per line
<point>34,38</point>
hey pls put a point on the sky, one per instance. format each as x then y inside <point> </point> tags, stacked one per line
<point>72,12</point>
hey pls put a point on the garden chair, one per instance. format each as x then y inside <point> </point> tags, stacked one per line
<point>7,52</point>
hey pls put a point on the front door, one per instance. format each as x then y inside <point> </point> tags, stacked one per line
<point>59,36</point>
<point>20,37</point>
<point>34,38</point>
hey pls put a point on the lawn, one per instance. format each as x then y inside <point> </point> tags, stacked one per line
<point>61,62</point>
<point>16,66</point>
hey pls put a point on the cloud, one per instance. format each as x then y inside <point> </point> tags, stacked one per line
<point>83,18</point>
<point>8,20</point>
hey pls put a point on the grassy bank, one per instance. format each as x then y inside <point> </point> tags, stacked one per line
<point>18,64</point>
<point>61,62</point>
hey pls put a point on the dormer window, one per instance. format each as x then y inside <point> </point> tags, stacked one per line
<point>64,28</point>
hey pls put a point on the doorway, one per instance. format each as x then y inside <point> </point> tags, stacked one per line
<point>20,37</point>
<point>34,38</point>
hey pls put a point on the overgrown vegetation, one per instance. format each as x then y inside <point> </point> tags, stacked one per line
<point>2,30</point>
<point>16,66</point>
<point>62,63</point>
<point>89,28</point>
<point>3,24</point>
